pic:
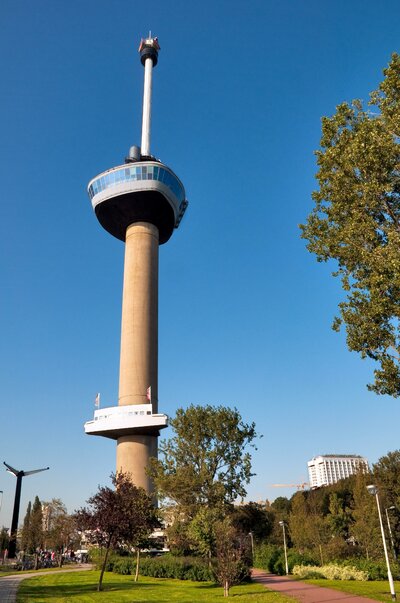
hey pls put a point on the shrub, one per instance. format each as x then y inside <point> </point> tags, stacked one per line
<point>375,569</point>
<point>167,566</point>
<point>272,558</point>
<point>330,572</point>
<point>266,556</point>
<point>295,558</point>
<point>97,556</point>
<point>124,566</point>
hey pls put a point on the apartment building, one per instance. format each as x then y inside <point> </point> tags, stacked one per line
<point>328,469</point>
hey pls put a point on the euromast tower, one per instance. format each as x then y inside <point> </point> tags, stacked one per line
<point>141,203</point>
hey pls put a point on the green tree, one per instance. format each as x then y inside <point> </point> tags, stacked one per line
<point>255,518</point>
<point>282,506</point>
<point>59,527</point>
<point>387,473</point>
<point>25,534</point>
<point>117,517</point>
<point>180,541</point>
<point>280,509</point>
<point>365,530</point>
<point>309,529</point>
<point>202,530</point>
<point>34,535</point>
<point>339,517</point>
<point>36,525</point>
<point>205,462</point>
<point>233,555</point>
<point>203,468</point>
<point>387,476</point>
<point>4,540</point>
<point>299,523</point>
<point>356,223</point>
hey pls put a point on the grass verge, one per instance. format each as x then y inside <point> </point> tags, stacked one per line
<point>373,590</point>
<point>80,587</point>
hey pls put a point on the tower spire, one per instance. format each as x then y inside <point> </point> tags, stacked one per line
<point>148,49</point>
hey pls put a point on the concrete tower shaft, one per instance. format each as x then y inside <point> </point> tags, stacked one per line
<point>133,456</point>
<point>139,345</point>
<point>139,325</point>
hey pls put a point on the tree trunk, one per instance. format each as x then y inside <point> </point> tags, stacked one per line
<point>226,588</point>
<point>100,584</point>
<point>137,564</point>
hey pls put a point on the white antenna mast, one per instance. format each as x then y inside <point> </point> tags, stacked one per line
<point>148,49</point>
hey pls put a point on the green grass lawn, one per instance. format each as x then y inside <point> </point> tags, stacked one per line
<point>374,590</point>
<point>80,587</point>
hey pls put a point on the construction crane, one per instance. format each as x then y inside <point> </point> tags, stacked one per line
<point>298,486</point>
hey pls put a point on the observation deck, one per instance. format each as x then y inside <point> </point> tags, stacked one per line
<point>117,421</point>
<point>144,191</point>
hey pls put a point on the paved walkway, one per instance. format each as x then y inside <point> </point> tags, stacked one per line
<point>9,584</point>
<point>305,593</point>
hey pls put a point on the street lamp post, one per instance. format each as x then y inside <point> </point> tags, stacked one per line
<point>390,530</point>
<point>282,523</point>
<point>373,490</point>
<point>252,546</point>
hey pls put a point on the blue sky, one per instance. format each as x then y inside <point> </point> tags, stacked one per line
<point>245,311</point>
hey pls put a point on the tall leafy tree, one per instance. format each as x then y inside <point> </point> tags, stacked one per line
<point>365,529</point>
<point>255,518</point>
<point>387,473</point>
<point>282,506</point>
<point>36,525</point>
<point>207,461</point>
<point>59,527</point>
<point>387,476</point>
<point>114,517</point>
<point>25,534</point>
<point>203,468</point>
<point>35,530</point>
<point>339,518</point>
<point>309,528</point>
<point>356,223</point>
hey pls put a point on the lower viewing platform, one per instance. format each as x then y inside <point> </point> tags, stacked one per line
<point>117,421</point>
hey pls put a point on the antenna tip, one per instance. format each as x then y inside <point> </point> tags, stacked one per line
<point>149,48</point>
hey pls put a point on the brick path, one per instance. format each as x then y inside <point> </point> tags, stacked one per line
<point>9,584</point>
<point>305,593</point>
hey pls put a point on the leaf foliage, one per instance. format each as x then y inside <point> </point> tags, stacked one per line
<point>356,223</point>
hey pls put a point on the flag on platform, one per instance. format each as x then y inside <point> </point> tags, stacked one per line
<point>148,393</point>
<point>97,400</point>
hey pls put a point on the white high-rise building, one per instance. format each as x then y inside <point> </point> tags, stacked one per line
<point>328,469</point>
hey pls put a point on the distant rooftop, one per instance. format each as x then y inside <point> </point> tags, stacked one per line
<point>339,456</point>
